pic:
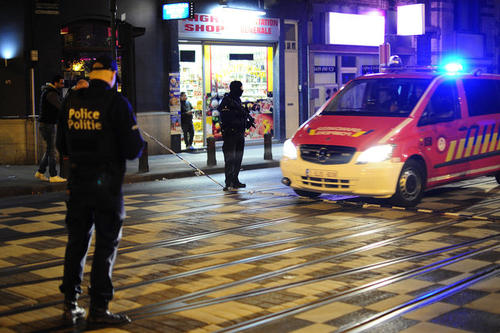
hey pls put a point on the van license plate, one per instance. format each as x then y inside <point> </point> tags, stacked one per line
<point>321,173</point>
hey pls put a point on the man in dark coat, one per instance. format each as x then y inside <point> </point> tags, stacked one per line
<point>50,106</point>
<point>98,131</point>
<point>187,121</point>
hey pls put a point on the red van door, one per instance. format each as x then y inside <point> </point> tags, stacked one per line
<point>443,135</point>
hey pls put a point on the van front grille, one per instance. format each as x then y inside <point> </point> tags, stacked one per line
<point>326,182</point>
<point>326,155</point>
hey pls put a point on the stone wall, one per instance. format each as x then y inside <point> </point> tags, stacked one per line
<point>17,142</point>
<point>156,124</point>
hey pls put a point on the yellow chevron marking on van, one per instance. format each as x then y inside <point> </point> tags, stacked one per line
<point>451,150</point>
<point>460,149</point>
<point>493,142</point>
<point>355,135</point>
<point>478,145</point>
<point>470,143</point>
<point>486,143</point>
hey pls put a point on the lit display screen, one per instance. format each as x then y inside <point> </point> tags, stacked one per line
<point>352,29</point>
<point>177,11</point>
<point>411,20</point>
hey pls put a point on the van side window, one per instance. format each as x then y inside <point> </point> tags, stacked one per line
<point>443,105</point>
<point>483,96</point>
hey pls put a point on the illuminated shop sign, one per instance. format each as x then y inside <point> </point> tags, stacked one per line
<point>236,27</point>
<point>352,29</point>
<point>324,69</point>
<point>176,11</point>
<point>411,19</point>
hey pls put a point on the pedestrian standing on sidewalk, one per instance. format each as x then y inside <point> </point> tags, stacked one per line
<point>187,121</point>
<point>98,133</point>
<point>234,121</point>
<point>50,106</point>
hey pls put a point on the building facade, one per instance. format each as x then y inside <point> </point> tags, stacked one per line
<point>289,60</point>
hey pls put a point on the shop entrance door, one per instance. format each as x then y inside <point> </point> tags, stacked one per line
<point>291,78</point>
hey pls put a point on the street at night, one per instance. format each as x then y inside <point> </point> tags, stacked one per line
<point>194,258</point>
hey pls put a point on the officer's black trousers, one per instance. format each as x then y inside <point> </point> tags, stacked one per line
<point>85,214</point>
<point>233,147</point>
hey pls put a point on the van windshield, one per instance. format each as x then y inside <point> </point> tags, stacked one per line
<point>384,97</point>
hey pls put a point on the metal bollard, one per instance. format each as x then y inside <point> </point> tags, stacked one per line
<point>143,160</point>
<point>211,160</point>
<point>268,153</point>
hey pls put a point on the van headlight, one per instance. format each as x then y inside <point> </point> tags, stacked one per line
<point>376,154</point>
<point>289,150</point>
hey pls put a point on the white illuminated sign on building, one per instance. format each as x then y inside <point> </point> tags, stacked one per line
<point>352,29</point>
<point>213,27</point>
<point>411,20</point>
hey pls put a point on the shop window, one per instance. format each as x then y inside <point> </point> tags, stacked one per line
<point>482,96</point>
<point>443,105</point>
<point>348,61</point>
<point>241,56</point>
<point>289,32</point>
<point>188,56</point>
<point>290,37</point>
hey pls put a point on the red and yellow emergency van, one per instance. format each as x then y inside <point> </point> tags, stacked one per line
<point>394,135</point>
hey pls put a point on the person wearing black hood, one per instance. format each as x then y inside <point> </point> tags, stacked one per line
<point>234,122</point>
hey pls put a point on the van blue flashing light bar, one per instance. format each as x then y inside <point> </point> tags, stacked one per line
<point>453,65</point>
<point>178,10</point>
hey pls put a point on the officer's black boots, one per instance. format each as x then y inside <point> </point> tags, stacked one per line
<point>104,317</point>
<point>239,185</point>
<point>72,312</point>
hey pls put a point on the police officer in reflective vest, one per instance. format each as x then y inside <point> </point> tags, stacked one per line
<point>98,131</point>
<point>234,121</point>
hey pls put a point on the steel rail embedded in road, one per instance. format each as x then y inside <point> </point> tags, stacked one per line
<point>252,323</point>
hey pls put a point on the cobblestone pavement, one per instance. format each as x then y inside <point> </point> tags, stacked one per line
<point>267,261</point>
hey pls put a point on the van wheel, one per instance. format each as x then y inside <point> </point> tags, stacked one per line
<point>497,177</point>
<point>410,186</point>
<point>307,194</point>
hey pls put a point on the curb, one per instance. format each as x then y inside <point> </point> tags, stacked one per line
<point>35,189</point>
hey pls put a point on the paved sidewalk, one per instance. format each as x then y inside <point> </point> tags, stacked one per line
<point>20,180</point>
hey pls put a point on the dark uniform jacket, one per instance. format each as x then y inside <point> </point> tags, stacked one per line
<point>186,118</point>
<point>50,104</point>
<point>232,114</point>
<point>98,131</point>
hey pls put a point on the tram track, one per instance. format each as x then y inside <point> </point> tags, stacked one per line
<point>163,243</point>
<point>169,307</point>
<point>62,231</point>
<point>183,240</point>
<point>259,321</point>
<point>270,255</point>
<point>26,268</point>
<point>424,300</point>
<point>186,239</point>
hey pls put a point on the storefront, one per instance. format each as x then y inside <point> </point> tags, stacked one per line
<point>212,53</point>
<point>350,49</point>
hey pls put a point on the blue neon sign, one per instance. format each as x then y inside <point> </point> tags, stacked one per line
<point>177,11</point>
